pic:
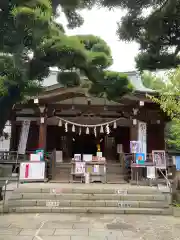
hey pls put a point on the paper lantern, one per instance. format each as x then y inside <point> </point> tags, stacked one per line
<point>36,100</point>
<point>141,103</point>
<point>134,121</point>
<point>42,120</point>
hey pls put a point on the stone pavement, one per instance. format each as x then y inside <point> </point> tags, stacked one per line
<point>88,227</point>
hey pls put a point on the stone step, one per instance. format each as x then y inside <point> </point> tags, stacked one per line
<point>116,181</point>
<point>90,189</point>
<point>99,210</point>
<point>87,203</point>
<point>115,177</point>
<point>76,196</point>
<point>114,174</point>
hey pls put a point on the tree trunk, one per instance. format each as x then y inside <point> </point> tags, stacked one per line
<point>176,185</point>
<point>6,105</point>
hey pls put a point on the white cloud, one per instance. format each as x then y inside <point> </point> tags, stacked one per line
<point>102,23</point>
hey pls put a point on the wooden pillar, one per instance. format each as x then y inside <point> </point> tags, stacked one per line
<point>134,137</point>
<point>42,129</point>
<point>13,137</point>
<point>134,132</point>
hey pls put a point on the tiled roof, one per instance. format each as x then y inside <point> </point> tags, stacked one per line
<point>136,81</point>
<point>134,77</point>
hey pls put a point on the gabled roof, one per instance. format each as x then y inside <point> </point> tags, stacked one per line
<point>136,81</point>
<point>51,81</point>
<point>58,93</point>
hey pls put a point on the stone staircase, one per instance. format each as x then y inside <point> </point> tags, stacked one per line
<point>91,198</point>
<point>63,173</point>
<point>114,173</point>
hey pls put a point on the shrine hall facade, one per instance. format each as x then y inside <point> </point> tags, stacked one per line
<point>66,120</point>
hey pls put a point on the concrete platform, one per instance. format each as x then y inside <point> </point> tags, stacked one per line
<point>88,227</point>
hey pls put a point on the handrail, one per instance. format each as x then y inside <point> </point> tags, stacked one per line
<point>6,183</point>
<point>17,161</point>
<point>4,193</point>
<point>167,180</point>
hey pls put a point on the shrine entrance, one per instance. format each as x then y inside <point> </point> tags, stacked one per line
<point>84,144</point>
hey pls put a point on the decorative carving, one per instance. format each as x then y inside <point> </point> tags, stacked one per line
<point>135,111</point>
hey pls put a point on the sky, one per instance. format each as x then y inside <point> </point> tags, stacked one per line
<point>103,23</point>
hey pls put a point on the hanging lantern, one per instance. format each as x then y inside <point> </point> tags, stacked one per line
<point>141,103</point>
<point>95,132</point>
<point>73,128</point>
<point>66,127</point>
<point>60,123</point>
<point>101,129</point>
<point>134,121</point>
<point>107,129</point>
<point>87,130</point>
<point>36,100</point>
<point>80,131</point>
<point>115,125</point>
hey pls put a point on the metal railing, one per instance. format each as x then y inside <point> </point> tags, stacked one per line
<point>168,183</point>
<point>9,179</point>
<point>15,159</point>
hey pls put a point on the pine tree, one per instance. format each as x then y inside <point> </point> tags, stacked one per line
<point>31,42</point>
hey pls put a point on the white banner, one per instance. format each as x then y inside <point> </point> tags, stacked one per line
<point>151,172</point>
<point>142,137</point>
<point>24,137</point>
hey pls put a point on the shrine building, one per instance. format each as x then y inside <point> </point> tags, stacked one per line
<point>65,120</point>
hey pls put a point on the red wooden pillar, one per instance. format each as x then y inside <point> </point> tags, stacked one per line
<point>42,129</point>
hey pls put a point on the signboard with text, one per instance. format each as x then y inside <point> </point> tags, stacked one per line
<point>79,167</point>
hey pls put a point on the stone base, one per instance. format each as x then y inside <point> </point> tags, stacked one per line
<point>176,211</point>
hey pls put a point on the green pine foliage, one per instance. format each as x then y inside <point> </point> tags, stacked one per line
<point>31,42</point>
<point>168,100</point>
<point>155,26</point>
